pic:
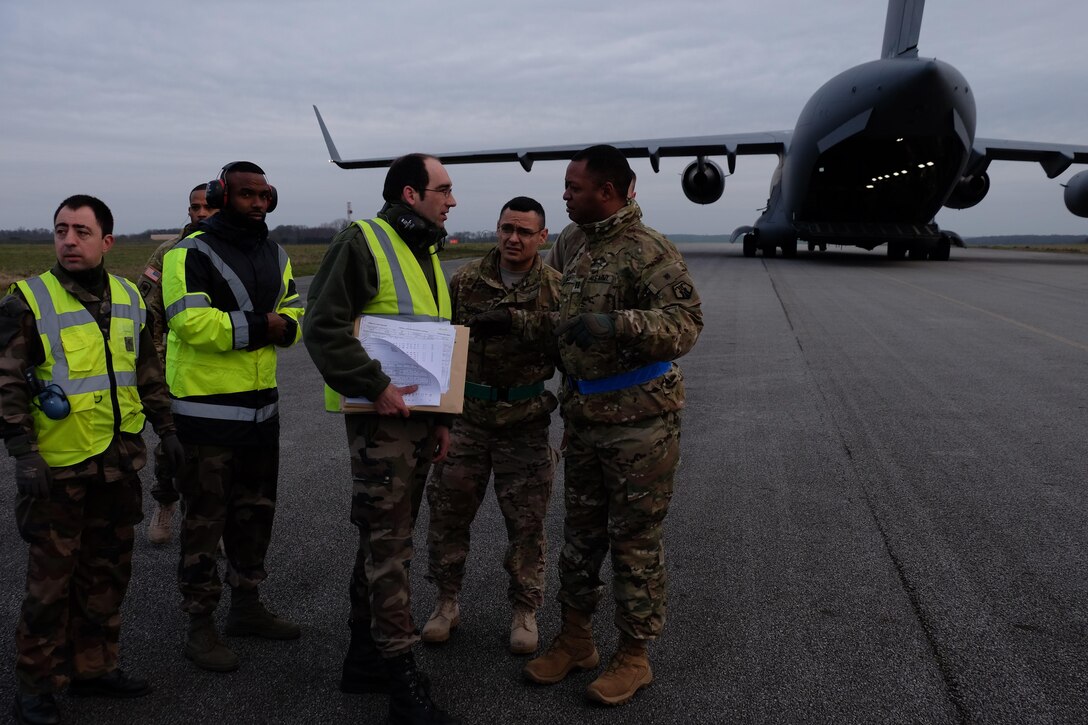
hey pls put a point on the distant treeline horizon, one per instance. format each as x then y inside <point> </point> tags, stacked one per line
<point>323,234</point>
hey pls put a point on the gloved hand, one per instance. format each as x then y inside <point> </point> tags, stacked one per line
<point>587,328</point>
<point>491,323</point>
<point>174,453</point>
<point>33,475</point>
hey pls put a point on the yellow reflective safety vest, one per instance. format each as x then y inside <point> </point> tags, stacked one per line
<point>93,371</point>
<point>207,355</point>
<point>403,289</point>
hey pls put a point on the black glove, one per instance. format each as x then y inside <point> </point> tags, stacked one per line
<point>491,323</point>
<point>174,453</point>
<point>587,329</point>
<point>33,475</point>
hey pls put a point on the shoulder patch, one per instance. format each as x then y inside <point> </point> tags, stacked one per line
<point>153,274</point>
<point>682,290</point>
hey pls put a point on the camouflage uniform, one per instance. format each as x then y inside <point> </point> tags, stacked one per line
<point>567,246</point>
<point>390,456</point>
<point>510,438</point>
<point>229,479</point>
<point>623,445</point>
<point>81,535</point>
<point>150,286</point>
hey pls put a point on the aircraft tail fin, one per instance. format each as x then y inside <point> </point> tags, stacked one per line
<point>902,28</point>
<point>334,155</point>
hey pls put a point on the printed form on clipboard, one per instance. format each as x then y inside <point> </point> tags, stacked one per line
<point>411,353</point>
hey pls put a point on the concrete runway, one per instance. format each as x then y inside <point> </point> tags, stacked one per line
<point>879,517</point>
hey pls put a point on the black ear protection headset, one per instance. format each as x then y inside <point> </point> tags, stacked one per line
<point>217,194</point>
<point>414,230</point>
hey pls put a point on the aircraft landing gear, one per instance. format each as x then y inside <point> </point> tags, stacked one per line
<point>897,250</point>
<point>750,246</point>
<point>941,252</point>
<point>789,249</point>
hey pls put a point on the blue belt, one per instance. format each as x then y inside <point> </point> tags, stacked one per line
<point>621,380</point>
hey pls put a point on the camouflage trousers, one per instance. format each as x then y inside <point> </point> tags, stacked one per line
<point>524,465</point>
<point>77,574</point>
<point>619,481</point>
<point>163,490</point>
<point>390,458</point>
<point>228,493</point>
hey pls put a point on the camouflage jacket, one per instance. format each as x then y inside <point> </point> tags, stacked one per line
<point>566,247</point>
<point>635,274</point>
<point>21,348</point>
<point>505,361</point>
<point>150,286</point>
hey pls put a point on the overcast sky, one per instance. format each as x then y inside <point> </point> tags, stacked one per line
<point>138,101</point>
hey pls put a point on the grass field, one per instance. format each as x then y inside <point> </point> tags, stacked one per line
<point>18,261</point>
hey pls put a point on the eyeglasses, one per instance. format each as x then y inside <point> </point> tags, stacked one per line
<point>509,230</point>
<point>446,191</point>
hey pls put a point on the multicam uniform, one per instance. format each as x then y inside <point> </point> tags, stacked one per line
<point>623,435</point>
<point>567,246</point>
<point>81,535</point>
<point>504,427</point>
<point>219,283</point>
<point>390,455</point>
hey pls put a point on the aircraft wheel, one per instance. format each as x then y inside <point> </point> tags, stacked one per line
<point>769,250</point>
<point>897,250</point>
<point>918,251</point>
<point>812,246</point>
<point>823,247</point>
<point>789,249</point>
<point>749,245</point>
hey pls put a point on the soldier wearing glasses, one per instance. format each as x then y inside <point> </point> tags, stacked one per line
<point>504,429</point>
<point>385,266</point>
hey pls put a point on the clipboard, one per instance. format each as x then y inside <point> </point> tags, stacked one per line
<point>452,401</point>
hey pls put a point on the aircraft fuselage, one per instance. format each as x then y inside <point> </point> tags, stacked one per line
<point>875,153</point>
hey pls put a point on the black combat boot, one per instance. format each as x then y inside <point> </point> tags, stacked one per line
<point>364,668</point>
<point>409,697</point>
<point>35,709</point>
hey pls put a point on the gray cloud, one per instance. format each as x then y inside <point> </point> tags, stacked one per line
<point>136,102</point>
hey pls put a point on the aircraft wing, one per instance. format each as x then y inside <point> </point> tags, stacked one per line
<point>1054,158</point>
<point>729,145</point>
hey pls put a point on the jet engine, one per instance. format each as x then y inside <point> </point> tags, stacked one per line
<point>1076,194</point>
<point>968,191</point>
<point>703,182</point>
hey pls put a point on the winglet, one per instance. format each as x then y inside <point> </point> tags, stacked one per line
<point>902,26</point>
<point>334,155</point>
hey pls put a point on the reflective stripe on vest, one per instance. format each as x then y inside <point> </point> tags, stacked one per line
<point>83,370</point>
<point>194,371</point>
<point>403,289</point>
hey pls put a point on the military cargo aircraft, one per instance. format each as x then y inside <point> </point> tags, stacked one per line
<point>875,154</point>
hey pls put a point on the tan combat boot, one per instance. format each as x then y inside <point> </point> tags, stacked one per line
<point>249,618</point>
<point>628,671</point>
<point>445,617</point>
<point>160,530</point>
<point>204,648</point>
<point>572,647</point>
<point>523,635</point>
